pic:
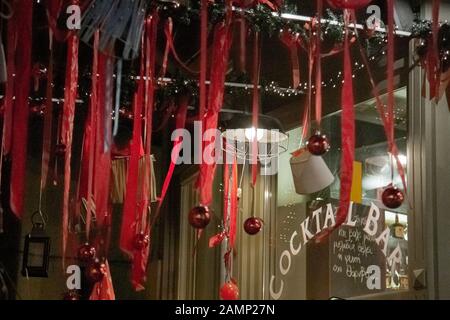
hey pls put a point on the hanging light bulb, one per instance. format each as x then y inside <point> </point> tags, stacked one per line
<point>250,133</point>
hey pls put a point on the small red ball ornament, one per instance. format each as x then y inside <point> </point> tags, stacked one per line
<point>86,252</point>
<point>318,144</point>
<point>392,197</point>
<point>229,291</point>
<point>71,295</point>
<point>141,241</point>
<point>349,4</point>
<point>199,217</point>
<point>95,271</point>
<point>252,225</point>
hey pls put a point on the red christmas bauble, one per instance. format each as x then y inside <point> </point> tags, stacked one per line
<point>229,291</point>
<point>199,217</point>
<point>95,271</point>
<point>392,197</point>
<point>141,241</point>
<point>252,225</point>
<point>318,144</point>
<point>71,295</point>
<point>86,252</point>
<point>349,4</point>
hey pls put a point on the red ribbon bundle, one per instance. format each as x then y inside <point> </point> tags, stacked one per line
<point>221,49</point>
<point>16,112</point>
<point>348,132</point>
<point>70,96</point>
<point>292,42</point>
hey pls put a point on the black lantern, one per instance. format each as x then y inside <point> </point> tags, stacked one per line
<point>36,250</point>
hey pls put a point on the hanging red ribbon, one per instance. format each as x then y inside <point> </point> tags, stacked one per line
<point>104,289</point>
<point>255,108</point>
<point>291,41</point>
<point>221,49</point>
<point>91,127</point>
<point>23,16</point>
<point>433,57</point>
<point>70,95</point>
<point>243,31</point>
<point>130,204</point>
<point>53,11</point>
<point>233,204</point>
<point>168,28</point>
<point>318,41</point>
<point>177,146</point>
<point>348,132</point>
<point>9,87</point>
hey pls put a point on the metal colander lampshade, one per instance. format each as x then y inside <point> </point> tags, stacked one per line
<point>239,134</point>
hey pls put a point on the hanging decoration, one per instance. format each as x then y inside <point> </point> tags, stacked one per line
<point>229,291</point>
<point>70,95</point>
<point>16,111</point>
<point>103,289</point>
<point>199,217</point>
<point>221,48</point>
<point>86,253</point>
<point>392,197</point>
<point>318,144</point>
<point>253,225</point>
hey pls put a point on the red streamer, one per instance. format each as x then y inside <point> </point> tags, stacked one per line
<point>318,40</point>
<point>221,49</point>
<point>255,108</point>
<point>23,16</point>
<point>291,41</point>
<point>70,95</point>
<point>233,204</point>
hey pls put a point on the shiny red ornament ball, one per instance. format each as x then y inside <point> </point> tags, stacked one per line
<point>253,225</point>
<point>141,241</point>
<point>392,197</point>
<point>349,4</point>
<point>229,291</point>
<point>318,144</point>
<point>86,252</point>
<point>95,271</point>
<point>71,295</point>
<point>199,217</point>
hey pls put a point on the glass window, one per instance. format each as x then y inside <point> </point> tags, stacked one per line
<point>366,258</point>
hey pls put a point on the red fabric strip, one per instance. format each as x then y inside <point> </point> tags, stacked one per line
<point>92,134</point>
<point>131,206</point>
<point>318,40</point>
<point>70,95</point>
<point>243,30</point>
<point>104,290</point>
<point>233,204</point>
<point>348,133</point>
<point>221,49</point>
<point>291,41</point>
<point>434,72</point>
<point>255,108</point>
<point>203,56</point>
<point>23,14</point>
<point>168,32</point>
<point>177,146</point>
<point>53,11</point>
<point>9,88</point>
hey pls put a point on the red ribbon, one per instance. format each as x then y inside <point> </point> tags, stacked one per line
<point>255,108</point>
<point>177,146</point>
<point>9,88</point>
<point>433,56</point>
<point>221,49</point>
<point>169,38</point>
<point>233,204</point>
<point>130,204</point>
<point>70,95</point>
<point>291,41</point>
<point>23,16</point>
<point>318,40</point>
<point>243,30</point>
<point>104,289</point>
